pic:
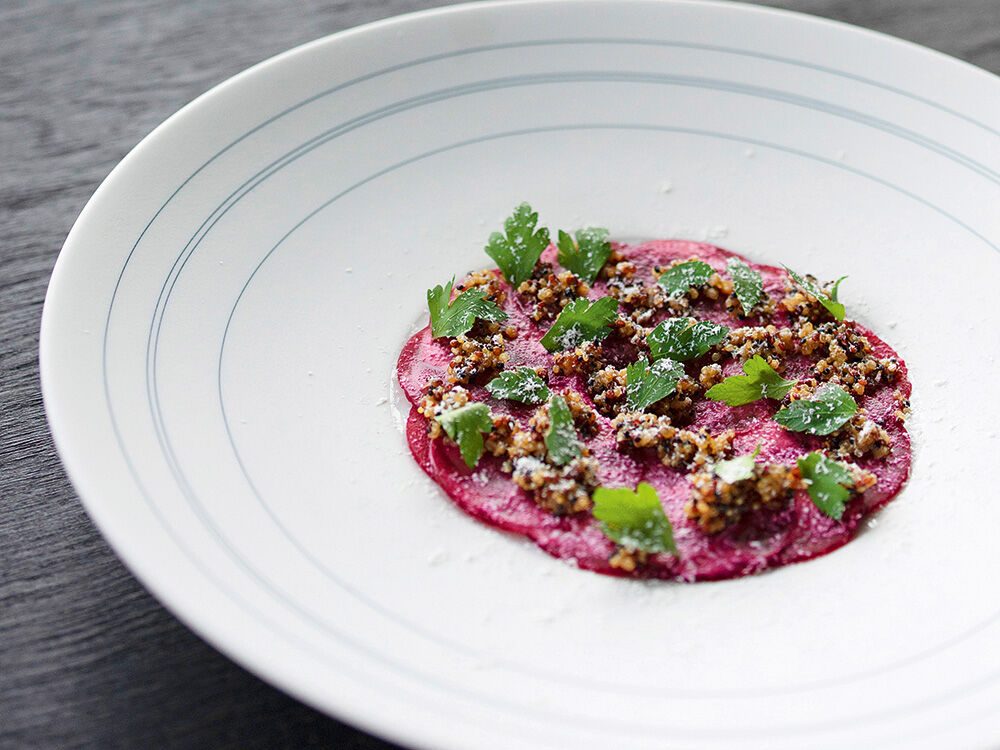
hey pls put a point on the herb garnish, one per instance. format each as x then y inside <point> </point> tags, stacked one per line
<point>684,338</point>
<point>560,439</point>
<point>828,481</point>
<point>747,283</point>
<point>457,317</point>
<point>829,408</point>
<point>646,384</point>
<point>517,251</point>
<point>736,469</point>
<point>760,381</point>
<point>677,280</point>
<point>521,384</point>
<point>829,301</point>
<point>466,425</point>
<point>635,520</point>
<point>587,255</point>
<point>579,322</point>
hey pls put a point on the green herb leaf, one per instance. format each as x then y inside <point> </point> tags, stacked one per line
<point>828,481</point>
<point>760,381</point>
<point>521,384</point>
<point>466,425</point>
<point>580,321</point>
<point>560,439</point>
<point>646,384</point>
<point>460,315</point>
<point>517,250</point>
<point>736,469</point>
<point>635,520</point>
<point>829,408</point>
<point>829,301</point>
<point>677,280</point>
<point>747,283</point>
<point>587,255</point>
<point>683,338</point>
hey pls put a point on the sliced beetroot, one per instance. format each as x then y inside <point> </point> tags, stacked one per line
<point>763,540</point>
<point>423,358</point>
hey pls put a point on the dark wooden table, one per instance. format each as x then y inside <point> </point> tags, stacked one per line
<point>87,657</point>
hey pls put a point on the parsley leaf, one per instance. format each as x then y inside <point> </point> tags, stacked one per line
<point>466,425</point>
<point>647,384</point>
<point>457,317</point>
<point>829,301</point>
<point>736,469</point>
<point>684,338</point>
<point>828,481</point>
<point>677,280</point>
<point>747,283</point>
<point>634,520</point>
<point>587,255</point>
<point>580,321</point>
<point>759,382</point>
<point>521,384</point>
<point>829,408</point>
<point>561,439</point>
<point>517,251</point>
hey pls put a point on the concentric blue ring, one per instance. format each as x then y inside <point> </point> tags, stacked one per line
<point>983,170</point>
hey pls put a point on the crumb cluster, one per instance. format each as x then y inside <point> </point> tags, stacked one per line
<point>789,327</point>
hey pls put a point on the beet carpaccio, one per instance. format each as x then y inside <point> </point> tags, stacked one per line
<point>661,410</point>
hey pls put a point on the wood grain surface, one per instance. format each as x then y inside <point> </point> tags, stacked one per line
<point>87,657</point>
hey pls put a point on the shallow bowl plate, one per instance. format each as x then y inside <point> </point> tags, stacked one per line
<point>221,328</point>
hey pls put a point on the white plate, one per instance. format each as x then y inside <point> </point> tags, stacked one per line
<point>221,328</point>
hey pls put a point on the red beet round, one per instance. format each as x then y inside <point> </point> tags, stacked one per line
<point>797,533</point>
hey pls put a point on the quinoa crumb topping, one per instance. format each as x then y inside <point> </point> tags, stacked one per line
<point>487,280</point>
<point>789,328</point>
<point>715,288</point>
<point>677,448</point>
<point>764,307</point>
<point>561,490</point>
<point>773,344</point>
<point>716,504</point>
<point>641,301</point>
<point>860,436</point>
<point>551,291</point>
<point>801,304</point>
<point>608,389</point>
<point>627,559</point>
<point>472,357</point>
<point>902,410</point>
<point>583,360</point>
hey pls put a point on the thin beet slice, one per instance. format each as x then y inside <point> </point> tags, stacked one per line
<point>761,541</point>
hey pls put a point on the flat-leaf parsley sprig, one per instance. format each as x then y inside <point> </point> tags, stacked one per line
<point>747,284</point>
<point>677,280</point>
<point>829,301</point>
<point>760,381</point>
<point>458,316</point>
<point>581,321</point>
<point>518,249</point>
<point>520,384</point>
<point>828,409</point>
<point>586,255</point>
<point>828,483</point>
<point>684,338</point>
<point>737,469</point>
<point>560,438</point>
<point>646,384</point>
<point>466,425</point>
<point>635,520</point>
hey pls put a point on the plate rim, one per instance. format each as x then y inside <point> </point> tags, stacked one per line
<point>371,721</point>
